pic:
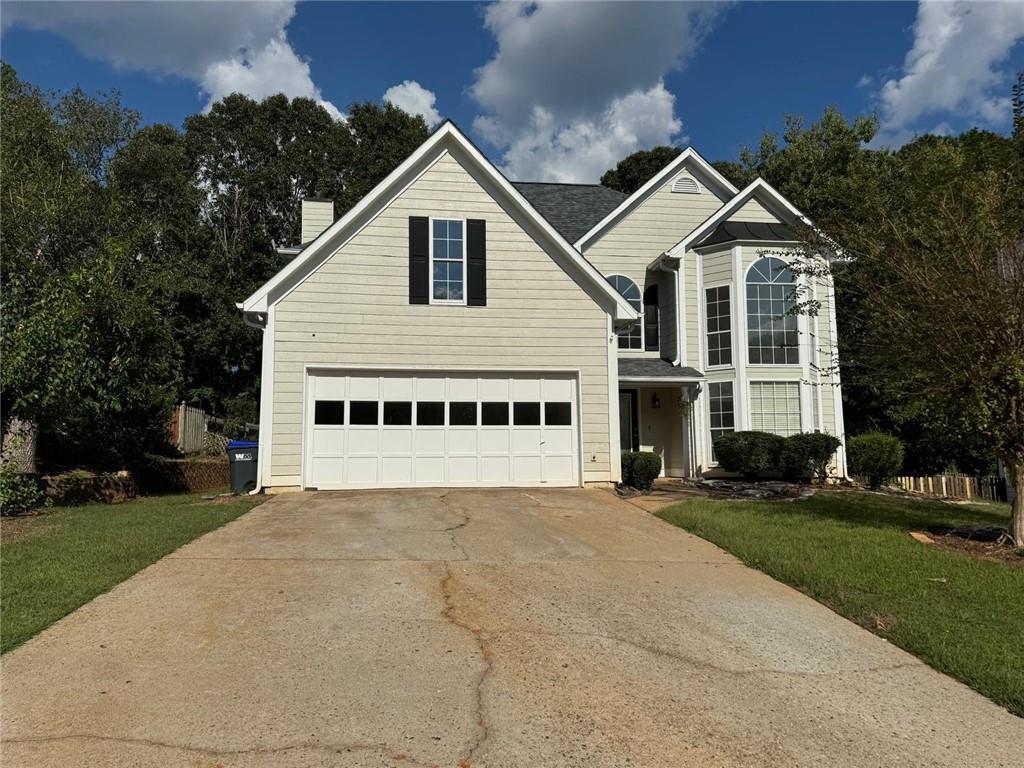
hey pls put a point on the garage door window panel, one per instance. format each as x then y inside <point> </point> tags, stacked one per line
<point>462,414</point>
<point>397,414</point>
<point>430,414</point>
<point>557,414</point>
<point>329,413</point>
<point>363,413</point>
<point>494,414</point>
<point>526,414</point>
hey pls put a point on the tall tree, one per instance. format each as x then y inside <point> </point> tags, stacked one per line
<point>87,357</point>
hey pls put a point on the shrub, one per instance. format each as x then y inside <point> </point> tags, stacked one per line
<point>749,453</point>
<point>19,493</point>
<point>806,455</point>
<point>640,469</point>
<point>876,456</point>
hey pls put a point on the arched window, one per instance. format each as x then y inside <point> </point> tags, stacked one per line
<point>633,338</point>
<point>771,326</point>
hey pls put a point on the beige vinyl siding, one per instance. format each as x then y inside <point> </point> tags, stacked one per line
<point>354,311</point>
<point>317,215</point>
<point>825,342</point>
<point>752,210</point>
<point>691,310</point>
<point>717,267</point>
<point>661,428</point>
<point>650,229</point>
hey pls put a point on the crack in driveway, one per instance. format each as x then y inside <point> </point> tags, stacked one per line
<point>482,726</point>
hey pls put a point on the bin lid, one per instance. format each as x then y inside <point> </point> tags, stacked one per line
<point>242,444</point>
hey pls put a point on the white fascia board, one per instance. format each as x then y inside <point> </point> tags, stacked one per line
<point>433,148</point>
<point>758,188</point>
<point>687,155</point>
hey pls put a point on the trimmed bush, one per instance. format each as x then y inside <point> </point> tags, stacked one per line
<point>640,469</point>
<point>749,453</point>
<point>876,456</point>
<point>806,455</point>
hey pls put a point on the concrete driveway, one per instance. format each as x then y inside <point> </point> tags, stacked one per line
<point>475,628</point>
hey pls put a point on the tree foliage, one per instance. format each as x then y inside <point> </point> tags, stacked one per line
<point>635,170</point>
<point>125,251</point>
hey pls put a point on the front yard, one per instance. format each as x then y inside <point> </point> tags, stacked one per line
<point>852,552</point>
<point>54,562</point>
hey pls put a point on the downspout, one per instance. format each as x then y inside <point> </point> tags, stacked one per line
<point>258,320</point>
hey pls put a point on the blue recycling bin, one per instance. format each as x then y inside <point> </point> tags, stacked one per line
<point>242,456</point>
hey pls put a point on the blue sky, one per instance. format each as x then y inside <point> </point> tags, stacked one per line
<point>556,91</point>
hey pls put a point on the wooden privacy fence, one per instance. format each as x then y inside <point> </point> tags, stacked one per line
<point>188,428</point>
<point>954,486</point>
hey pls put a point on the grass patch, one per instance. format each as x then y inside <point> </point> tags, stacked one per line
<point>851,551</point>
<point>55,562</point>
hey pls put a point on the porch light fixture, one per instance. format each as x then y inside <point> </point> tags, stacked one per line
<point>655,401</point>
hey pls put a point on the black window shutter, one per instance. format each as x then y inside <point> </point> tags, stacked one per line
<point>419,260</point>
<point>651,343</point>
<point>476,263</point>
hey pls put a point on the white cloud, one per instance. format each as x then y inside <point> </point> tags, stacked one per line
<point>953,67</point>
<point>573,88</point>
<point>414,99</point>
<point>226,47</point>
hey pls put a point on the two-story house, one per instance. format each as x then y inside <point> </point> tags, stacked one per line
<point>458,329</point>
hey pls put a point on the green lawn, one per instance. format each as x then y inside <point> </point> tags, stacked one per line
<point>851,551</point>
<point>54,562</point>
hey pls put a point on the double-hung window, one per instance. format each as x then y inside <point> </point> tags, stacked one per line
<point>720,411</point>
<point>719,326</point>
<point>447,261</point>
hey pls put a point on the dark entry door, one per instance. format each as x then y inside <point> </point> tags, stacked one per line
<point>629,430</point>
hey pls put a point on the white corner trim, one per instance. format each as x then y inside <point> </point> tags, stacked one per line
<point>688,155</point>
<point>446,137</point>
<point>264,452</point>
<point>614,447</point>
<point>758,187</point>
<point>740,395</point>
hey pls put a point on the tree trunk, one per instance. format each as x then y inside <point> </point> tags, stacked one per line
<point>19,445</point>
<point>1015,471</point>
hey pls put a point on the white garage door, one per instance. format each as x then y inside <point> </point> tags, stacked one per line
<point>401,430</point>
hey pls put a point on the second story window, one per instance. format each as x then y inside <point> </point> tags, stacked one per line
<point>719,326</point>
<point>447,261</point>
<point>634,337</point>
<point>772,337</point>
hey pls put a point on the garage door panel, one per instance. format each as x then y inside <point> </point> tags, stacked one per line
<point>396,469</point>
<point>364,388</point>
<point>494,441</point>
<point>462,469</point>
<point>328,441</point>
<point>362,470</point>
<point>429,469</point>
<point>487,428</point>
<point>558,441</point>
<point>526,440</point>
<point>526,469</point>
<point>429,441</point>
<point>363,441</point>
<point>462,441</point>
<point>396,441</point>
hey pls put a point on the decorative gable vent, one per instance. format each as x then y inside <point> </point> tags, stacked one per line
<point>686,185</point>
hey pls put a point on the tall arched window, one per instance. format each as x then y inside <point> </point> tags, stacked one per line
<point>633,338</point>
<point>772,337</point>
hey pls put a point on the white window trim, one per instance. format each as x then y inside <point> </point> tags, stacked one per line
<point>430,263</point>
<point>640,315</point>
<point>732,330</point>
<point>711,462</point>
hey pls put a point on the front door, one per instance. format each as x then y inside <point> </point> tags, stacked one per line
<point>629,433</point>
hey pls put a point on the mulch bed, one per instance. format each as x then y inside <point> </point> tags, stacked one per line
<point>979,543</point>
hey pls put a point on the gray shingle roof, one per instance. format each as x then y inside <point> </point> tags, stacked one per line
<point>728,231</point>
<point>572,209</point>
<point>652,368</point>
